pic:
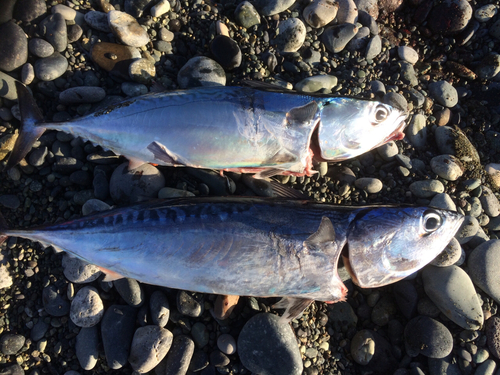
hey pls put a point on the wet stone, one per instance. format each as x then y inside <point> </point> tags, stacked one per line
<point>266,346</point>
<point>87,308</point>
<point>292,34</point>
<point>424,335</point>
<point>201,71</point>
<point>130,290</point>
<point>86,347</point>
<point>14,47</point>
<point>150,345</point>
<point>54,302</point>
<point>483,267</point>
<point>79,271</point>
<point>10,343</point>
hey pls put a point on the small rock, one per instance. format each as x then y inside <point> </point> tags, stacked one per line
<point>86,347</point>
<point>450,17</point>
<point>493,335</point>
<point>50,68</point>
<point>347,12</point>
<point>127,29</point>
<point>226,52</point>
<point>150,345</point>
<point>98,21</point>
<point>226,344</point>
<point>114,58</point>
<point>190,303</point>
<point>272,7</point>
<point>388,151</point>
<point>55,30</point>
<point>224,306</point>
<point>490,202</point>
<point>246,15</point>
<point>489,67</point>
<point>424,335</point>
<point>292,34</point>
<point>444,93</point>
<point>142,71</point>
<point>159,308</point>
<point>335,38</point>
<point>450,255</point>
<point>201,71</point>
<point>87,308</point>
<point>79,271</point>
<point>447,167</point>
<point>162,7</point>
<point>467,230</point>
<point>179,355</point>
<point>29,10</point>
<point>14,47</point>
<point>10,344</point>
<point>320,12</point>
<point>408,54</point>
<point>443,201</point>
<point>374,47</point>
<point>317,83</point>
<point>130,290</point>
<point>168,192</point>
<point>40,47</point>
<point>483,268</point>
<point>493,170</point>
<point>83,94</point>
<point>54,302</point>
<point>370,185</point>
<point>426,188</point>
<point>486,12</point>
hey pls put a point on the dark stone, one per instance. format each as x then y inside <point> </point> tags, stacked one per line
<point>54,302</point>
<point>29,10</point>
<point>226,52</point>
<point>13,47</point>
<point>54,28</point>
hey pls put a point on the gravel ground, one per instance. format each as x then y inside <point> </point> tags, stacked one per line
<point>437,59</point>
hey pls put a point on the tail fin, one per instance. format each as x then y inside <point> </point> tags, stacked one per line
<point>29,132</point>
<point>3,228</point>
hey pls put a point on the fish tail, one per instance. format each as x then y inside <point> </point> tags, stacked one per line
<point>3,229</point>
<point>30,131</point>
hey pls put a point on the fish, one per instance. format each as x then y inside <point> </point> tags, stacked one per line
<point>257,247</point>
<point>239,129</point>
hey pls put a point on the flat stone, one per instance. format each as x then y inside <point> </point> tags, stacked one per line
<point>447,167</point>
<point>52,67</point>
<point>55,30</point>
<point>246,15</point>
<point>40,47</point>
<point>444,93</point>
<point>10,344</point>
<point>272,7</point>
<point>79,271</point>
<point>179,355</point>
<point>82,94</point>
<point>426,188</point>
<point>335,38</point>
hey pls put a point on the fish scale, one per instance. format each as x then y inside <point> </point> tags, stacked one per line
<point>254,246</point>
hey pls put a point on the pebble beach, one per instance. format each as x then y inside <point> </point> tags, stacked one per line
<point>437,60</point>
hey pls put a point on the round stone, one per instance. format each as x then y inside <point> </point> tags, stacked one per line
<point>363,347</point>
<point>408,54</point>
<point>56,31</point>
<point>10,344</point>
<point>246,15</point>
<point>52,67</point>
<point>347,12</point>
<point>489,66</point>
<point>272,7</point>
<point>201,71</point>
<point>14,47</point>
<point>98,21</point>
<point>87,308</point>
<point>493,335</point>
<point>486,12</point>
<point>320,12</point>
<point>79,271</point>
<point>292,34</point>
<point>369,184</point>
<point>130,290</point>
<point>86,347</point>
<point>450,16</point>
<point>150,345</point>
<point>335,38</point>
<point>317,83</point>
<point>226,344</point>
<point>374,47</point>
<point>444,93</point>
<point>424,335</point>
<point>142,71</point>
<point>447,167</point>
<point>127,29</point>
<point>40,47</point>
<point>82,94</point>
<point>426,188</point>
<point>450,255</point>
<point>226,52</point>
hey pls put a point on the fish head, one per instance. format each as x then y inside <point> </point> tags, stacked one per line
<point>387,244</point>
<point>350,127</point>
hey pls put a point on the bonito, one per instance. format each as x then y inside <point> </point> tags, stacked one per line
<point>254,246</point>
<point>239,129</point>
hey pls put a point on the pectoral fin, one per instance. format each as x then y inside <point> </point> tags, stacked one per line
<point>294,307</point>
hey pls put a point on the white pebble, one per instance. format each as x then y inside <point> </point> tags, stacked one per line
<point>408,54</point>
<point>226,344</point>
<point>160,8</point>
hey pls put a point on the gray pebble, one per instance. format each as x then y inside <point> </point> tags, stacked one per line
<point>486,368</point>
<point>87,308</point>
<point>388,151</point>
<point>396,100</point>
<point>246,15</point>
<point>417,131</point>
<point>341,314</point>
<point>444,93</point>
<point>159,308</point>
<point>201,71</point>
<point>54,302</point>
<point>94,205</point>
<point>75,32</point>
<point>168,192</point>
<point>142,71</point>
<point>68,13</point>
<point>447,167</point>
<point>363,347</point>
<point>78,271</point>
<point>374,47</point>
<point>367,20</point>
<point>267,347</point>
<point>39,329</point>
<point>426,188</point>
<point>320,12</point>
<point>292,34</point>
<point>86,347</point>
<point>190,303</point>
<point>316,83</point>
<point>50,68</point>
<point>37,156</point>
<point>134,89</point>
<point>40,47</point>
<point>150,345</point>
<point>226,343</point>
<point>486,12</point>
<point>272,7</point>
<point>226,52</point>
<point>408,54</point>
<point>10,201</point>
<point>130,290</point>
<point>489,67</point>
<point>483,267</point>
<point>451,289</point>
<point>98,21</point>
<point>408,74</point>
<point>14,46</point>
<point>10,344</point>
<point>493,335</point>
<point>475,208</point>
<point>128,186</point>
<point>443,201</point>
<point>467,230</point>
<point>179,355</point>
<point>368,184</point>
<point>490,202</point>
<point>166,35</point>
<point>377,87</point>
<point>424,335</point>
<point>335,38</point>
<point>54,28</point>
<point>347,13</point>
<point>200,334</point>
<point>450,255</point>
<point>82,94</point>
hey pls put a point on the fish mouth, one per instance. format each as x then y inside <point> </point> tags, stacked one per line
<point>397,134</point>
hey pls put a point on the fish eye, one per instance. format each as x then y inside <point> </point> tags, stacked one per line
<point>431,221</point>
<point>381,114</point>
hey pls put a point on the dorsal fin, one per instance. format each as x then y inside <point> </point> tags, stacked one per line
<point>300,116</point>
<point>324,234</point>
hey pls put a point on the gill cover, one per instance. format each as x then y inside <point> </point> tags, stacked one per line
<point>349,128</point>
<point>388,244</point>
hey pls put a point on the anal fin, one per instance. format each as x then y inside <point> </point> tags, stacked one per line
<point>268,173</point>
<point>293,307</point>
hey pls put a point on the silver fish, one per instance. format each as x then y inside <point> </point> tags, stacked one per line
<point>254,246</point>
<point>228,128</point>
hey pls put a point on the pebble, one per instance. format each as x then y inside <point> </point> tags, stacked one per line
<point>142,71</point>
<point>490,202</point>
<point>91,206</point>
<point>98,21</point>
<point>267,346</point>
<point>40,47</point>
<point>226,52</point>
<point>483,268</point>
<point>444,93</point>
<point>82,94</point>
<point>190,303</point>
<point>320,12</point>
<point>443,201</point>
<point>489,67</point>
<point>114,57</point>
<point>388,151</point>
<point>453,141</point>
<point>450,16</point>
<point>179,355</point>
<point>369,184</point>
<point>79,271</point>
<point>201,71</point>
<point>27,73</point>
<point>467,230</point>
<point>168,192</point>
<point>374,47</point>
<point>53,301</point>
<point>14,47</point>
<point>117,330</point>
<point>363,347</point>
<point>451,289</point>
<point>127,186</point>
<point>75,32</point>
<point>161,7</point>
<point>87,308</point>
<point>55,30</point>
<point>29,10</point>
<point>226,343</point>
<point>130,290</point>
<point>335,38</point>
<point>224,306</point>
<point>317,83</point>
<point>68,13</point>
<point>150,345</point>
<point>12,369</point>
<point>347,12</point>
<point>442,116</point>
<point>493,335</point>
<point>450,255</point>
<point>424,335</point>
<point>218,185</point>
<point>246,15</point>
<point>408,74</point>
<point>126,29</point>
<point>486,368</point>
<point>50,68</point>
<point>341,314</point>
<point>134,89</point>
<point>39,330</point>
<point>159,308</point>
<point>426,188</point>
<point>291,36</point>
<point>396,100</point>
<point>272,7</point>
<point>447,167</point>
<point>10,201</point>
<point>166,35</point>
<point>408,54</point>
<point>406,297</point>
<point>493,169</point>
<point>86,347</point>
<point>11,344</point>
